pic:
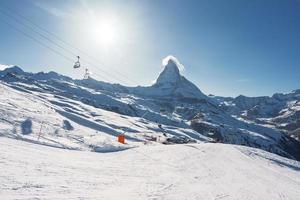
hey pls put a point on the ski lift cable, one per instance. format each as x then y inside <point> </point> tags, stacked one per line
<point>38,33</point>
<point>59,46</point>
<point>53,42</point>
<point>42,44</point>
<point>34,39</point>
<point>60,39</point>
<point>67,43</point>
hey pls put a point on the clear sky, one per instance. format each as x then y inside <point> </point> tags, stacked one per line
<point>228,47</point>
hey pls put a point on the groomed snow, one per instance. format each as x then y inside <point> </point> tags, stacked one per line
<point>61,122</point>
<point>89,163</point>
<point>199,171</point>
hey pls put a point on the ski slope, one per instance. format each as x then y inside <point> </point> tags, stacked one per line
<point>62,122</point>
<point>175,172</point>
<point>88,162</point>
<point>110,109</point>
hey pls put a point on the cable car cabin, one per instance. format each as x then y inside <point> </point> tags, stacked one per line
<point>77,63</point>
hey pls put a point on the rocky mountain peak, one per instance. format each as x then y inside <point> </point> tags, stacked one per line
<point>170,74</point>
<point>14,70</point>
<point>170,83</point>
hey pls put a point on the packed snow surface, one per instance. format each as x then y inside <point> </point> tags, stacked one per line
<point>198,171</point>
<point>82,119</point>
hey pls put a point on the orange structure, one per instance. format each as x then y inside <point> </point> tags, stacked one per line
<point>121,139</point>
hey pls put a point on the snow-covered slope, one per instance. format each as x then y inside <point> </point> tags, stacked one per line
<point>58,121</point>
<point>173,101</point>
<point>176,172</point>
<point>45,110</point>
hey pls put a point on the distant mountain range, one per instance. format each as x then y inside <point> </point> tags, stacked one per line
<point>268,123</point>
<point>281,111</point>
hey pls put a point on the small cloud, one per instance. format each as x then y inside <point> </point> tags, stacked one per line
<point>175,60</point>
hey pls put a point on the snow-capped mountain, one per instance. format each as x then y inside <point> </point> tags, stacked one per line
<point>170,83</point>
<point>280,110</point>
<point>12,70</point>
<point>183,110</point>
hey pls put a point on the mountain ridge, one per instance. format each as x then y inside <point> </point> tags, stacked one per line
<point>177,103</point>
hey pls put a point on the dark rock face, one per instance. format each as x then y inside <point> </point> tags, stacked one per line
<point>207,130</point>
<point>291,146</point>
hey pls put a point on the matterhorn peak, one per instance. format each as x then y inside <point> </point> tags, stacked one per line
<point>171,83</point>
<point>171,71</point>
<point>172,60</point>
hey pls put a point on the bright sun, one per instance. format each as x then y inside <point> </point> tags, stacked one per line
<point>104,31</point>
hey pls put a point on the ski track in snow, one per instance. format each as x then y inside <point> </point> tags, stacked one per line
<point>31,171</point>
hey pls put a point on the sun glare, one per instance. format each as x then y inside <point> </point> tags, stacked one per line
<point>103,31</point>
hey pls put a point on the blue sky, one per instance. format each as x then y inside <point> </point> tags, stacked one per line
<point>228,47</point>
